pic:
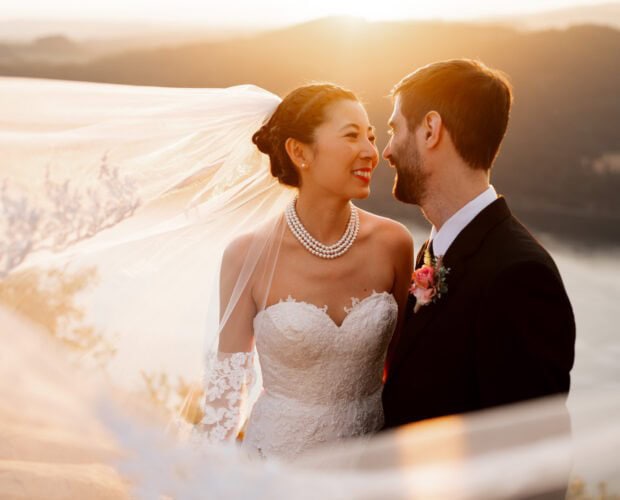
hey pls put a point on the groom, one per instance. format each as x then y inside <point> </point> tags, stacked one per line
<point>498,327</point>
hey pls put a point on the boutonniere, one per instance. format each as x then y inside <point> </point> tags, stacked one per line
<point>428,283</point>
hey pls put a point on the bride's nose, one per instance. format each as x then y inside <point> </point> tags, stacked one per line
<point>370,152</point>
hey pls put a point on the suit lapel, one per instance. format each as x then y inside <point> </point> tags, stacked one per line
<point>472,236</point>
<point>463,247</point>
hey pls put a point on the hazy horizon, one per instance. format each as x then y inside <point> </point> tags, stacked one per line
<point>271,13</point>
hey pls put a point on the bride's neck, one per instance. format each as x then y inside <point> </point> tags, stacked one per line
<point>325,218</point>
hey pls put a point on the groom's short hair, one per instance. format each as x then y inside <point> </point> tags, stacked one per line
<point>473,100</point>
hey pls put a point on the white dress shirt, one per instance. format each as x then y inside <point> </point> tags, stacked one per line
<point>443,238</point>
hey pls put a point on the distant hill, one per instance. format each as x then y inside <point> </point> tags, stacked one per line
<point>558,163</point>
<point>86,30</point>
<point>51,49</point>
<point>605,14</point>
<point>20,40</point>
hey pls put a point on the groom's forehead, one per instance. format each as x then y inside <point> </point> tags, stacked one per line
<point>396,114</point>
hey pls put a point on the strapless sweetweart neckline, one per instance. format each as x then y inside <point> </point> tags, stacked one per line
<point>356,303</point>
<point>321,381</point>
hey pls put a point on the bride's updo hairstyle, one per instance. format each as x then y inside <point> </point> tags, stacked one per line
<point>297,116</point>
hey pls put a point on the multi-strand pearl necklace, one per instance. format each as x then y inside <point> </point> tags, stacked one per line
<point>313,245</point>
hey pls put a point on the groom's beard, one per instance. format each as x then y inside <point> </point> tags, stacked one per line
<point>410,182</point>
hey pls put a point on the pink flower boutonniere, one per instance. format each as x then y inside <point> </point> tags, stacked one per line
<point>428,283</point>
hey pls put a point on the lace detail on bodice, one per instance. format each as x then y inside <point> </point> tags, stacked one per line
<point>228,377</point>
<point>321,381</point>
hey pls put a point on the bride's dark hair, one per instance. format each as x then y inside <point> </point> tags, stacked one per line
<point>297,116</point>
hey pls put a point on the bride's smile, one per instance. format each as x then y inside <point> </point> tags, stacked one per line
<point>364,174</point>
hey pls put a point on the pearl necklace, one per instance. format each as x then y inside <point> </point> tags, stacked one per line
<point>313,245</point>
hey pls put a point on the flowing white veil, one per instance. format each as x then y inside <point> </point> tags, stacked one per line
<point>127,197</point>
<point>117,204</point>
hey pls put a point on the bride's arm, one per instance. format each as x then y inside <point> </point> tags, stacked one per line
<point>402,250</point>
<point>237,306</point>
<point>229,372</point>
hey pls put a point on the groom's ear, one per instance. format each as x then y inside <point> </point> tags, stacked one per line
<point>432,126</point>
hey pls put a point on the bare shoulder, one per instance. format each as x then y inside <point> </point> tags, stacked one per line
<point>391,232</point>
<point>251,241</point>
<point>252,246</point>
<point>238,248</point>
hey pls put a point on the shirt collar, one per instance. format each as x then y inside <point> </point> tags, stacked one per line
<point>443,238</point>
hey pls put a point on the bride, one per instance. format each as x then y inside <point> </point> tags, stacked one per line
<point>322,304</point>
<point>136,195</point>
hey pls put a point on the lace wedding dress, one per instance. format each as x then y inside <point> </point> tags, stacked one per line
<point>321,381</point>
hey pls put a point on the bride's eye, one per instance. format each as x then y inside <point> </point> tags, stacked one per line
<point>353,135</point>
<point>372,139</point>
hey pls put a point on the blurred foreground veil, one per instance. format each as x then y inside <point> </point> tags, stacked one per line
<point>117,204</point>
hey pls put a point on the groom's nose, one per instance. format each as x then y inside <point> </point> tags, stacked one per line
<point>387,152</point>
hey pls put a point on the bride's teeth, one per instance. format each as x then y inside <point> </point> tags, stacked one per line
<point>365,175</point>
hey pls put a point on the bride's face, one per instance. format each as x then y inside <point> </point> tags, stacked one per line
<point>343,156</point>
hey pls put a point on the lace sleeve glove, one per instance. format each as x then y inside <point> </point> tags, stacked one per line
<point>228,378</point>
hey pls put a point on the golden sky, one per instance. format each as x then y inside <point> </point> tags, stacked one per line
<point>269,12</point>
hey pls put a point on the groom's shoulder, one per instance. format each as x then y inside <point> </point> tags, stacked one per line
<point>514,244</point>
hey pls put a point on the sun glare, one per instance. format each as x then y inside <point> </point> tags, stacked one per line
<point>373,11</point>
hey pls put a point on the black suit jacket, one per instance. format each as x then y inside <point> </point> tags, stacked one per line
<point>503,333</point>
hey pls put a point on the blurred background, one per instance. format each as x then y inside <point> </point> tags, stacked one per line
<point>560,162</point>
<point>559,166</point>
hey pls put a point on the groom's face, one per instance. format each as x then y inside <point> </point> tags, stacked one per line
<point>404,156</point>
